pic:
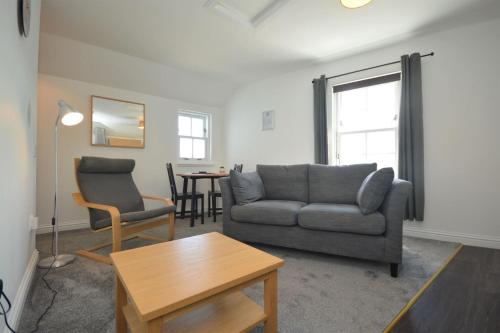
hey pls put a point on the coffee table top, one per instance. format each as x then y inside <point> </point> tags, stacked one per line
<point>165,277</point>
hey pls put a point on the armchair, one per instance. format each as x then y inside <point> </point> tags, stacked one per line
<point>108,191</point>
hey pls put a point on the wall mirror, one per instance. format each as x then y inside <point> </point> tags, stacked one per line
<point>117,123</point>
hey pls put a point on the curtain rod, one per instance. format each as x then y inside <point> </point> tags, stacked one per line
<point>373,67</point>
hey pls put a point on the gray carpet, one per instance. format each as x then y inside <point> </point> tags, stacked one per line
<point>317,293</point>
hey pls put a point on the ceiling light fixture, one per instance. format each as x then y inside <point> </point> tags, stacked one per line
<point>354,3</point>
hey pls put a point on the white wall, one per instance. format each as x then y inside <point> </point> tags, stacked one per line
<point>150,172</point>
<point>461,87</point>
<point>75,60</point>
<point>18,72</point>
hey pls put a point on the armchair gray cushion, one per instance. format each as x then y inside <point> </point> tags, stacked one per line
<point>285,182</point>
<point>247,187</point>
<point>372,192</point>
<point>273,212</point>
<point>108,181</point>
<point>337,184</point>
<point>341,218</point>
<point>90,164</point>
<point>136,216</point>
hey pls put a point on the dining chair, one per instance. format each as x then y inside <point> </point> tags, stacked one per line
<point>114,203</point>
<point>176,196</point>
<point>212,197</point>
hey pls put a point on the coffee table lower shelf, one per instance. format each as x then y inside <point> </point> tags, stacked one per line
<point>232,313</point>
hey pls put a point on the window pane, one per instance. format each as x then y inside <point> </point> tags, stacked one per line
<point>368,108</point>
<point>383,101</point>
<point>352,110</point>
<point>184,125</point>
<point>186,148</point>
<point>198,127</point>
<point>352,148</point>
<point>383,142</point>
<point>198,148</point>
<point>383,161</point>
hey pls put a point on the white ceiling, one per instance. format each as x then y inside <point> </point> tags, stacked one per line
<point>192,35</point>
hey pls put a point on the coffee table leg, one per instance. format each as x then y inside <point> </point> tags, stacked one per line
<point>155,325</point>
<point>271,303</point>
<point>121,301</point>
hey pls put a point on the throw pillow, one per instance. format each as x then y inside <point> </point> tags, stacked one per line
<point>247,187</point>
<point>372,192</point>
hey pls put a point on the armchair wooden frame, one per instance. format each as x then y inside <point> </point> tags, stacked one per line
<point>126,230</point>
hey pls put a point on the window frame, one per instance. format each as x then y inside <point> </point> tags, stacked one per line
<point>207,118</point>
<point>333,110</point>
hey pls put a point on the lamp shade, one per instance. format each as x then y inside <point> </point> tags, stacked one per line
<point>68,115</point>
<point>354,3</point>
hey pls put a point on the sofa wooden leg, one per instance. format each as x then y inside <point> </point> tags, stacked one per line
<point>394,270</point>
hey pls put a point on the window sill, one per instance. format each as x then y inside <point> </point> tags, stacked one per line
<point>195,163</point>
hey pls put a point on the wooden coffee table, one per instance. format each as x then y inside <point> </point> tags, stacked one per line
<point>194,285</point>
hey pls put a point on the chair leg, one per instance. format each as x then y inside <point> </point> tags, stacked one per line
<point>214,207</point>
<point>117,238</point>
<point>202,210</point>
<point>183,208</point>
<point>194,204</point>
<point>171,226</point>
<point>209,209</point>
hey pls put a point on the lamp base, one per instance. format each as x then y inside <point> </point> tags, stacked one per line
<point>60,261</point>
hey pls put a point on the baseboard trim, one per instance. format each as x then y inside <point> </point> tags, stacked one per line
<point>75,225</point>
<point>16,311</point>
<point>456,237</point>
<point>64,226</point>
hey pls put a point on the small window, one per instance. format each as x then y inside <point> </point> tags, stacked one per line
<point>366,121</point>
<point>193,132</point>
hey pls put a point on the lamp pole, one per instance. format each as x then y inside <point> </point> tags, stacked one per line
<point>56,260</point>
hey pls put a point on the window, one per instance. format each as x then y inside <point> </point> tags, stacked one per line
<point>365,120</point>
<point>193,132</point>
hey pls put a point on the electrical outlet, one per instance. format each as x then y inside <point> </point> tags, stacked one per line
<point>33,222</point>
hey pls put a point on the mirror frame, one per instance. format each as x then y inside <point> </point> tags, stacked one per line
<point>116,100</point>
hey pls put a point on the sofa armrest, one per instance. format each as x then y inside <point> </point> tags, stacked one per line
<point>227,198</point>
<point>393,208</point>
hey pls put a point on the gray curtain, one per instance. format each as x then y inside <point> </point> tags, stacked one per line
<point>411,134</point>
<point>320,121</point>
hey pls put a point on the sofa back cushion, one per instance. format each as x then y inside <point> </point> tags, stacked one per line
<point>247,187</point>
<point>285,182</point>
<point>372,192</point>
<point>337,184</point>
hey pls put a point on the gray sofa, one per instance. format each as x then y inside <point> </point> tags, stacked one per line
<point>313,207</point>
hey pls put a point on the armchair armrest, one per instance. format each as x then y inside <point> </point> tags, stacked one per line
<point>227,198</point>
<point>393,208</point>
<point>113,211</point>
<point>166,201</point>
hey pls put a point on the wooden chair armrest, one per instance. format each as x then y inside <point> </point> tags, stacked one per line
<point>166,201</point>
<point>113,211</point>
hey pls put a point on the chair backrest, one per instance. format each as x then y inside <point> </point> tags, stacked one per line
<point>108,181</point>
<point>171,180</point>
<point>238,167</point>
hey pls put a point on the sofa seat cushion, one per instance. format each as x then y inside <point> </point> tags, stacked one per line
<point>274,212</point>
<point>341,218</point>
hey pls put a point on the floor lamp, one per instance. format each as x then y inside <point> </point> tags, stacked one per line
<point>68,117</point>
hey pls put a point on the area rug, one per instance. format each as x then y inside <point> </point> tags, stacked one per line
<point>317,293</point>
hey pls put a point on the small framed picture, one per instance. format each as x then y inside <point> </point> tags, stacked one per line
<point>268,120</point>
